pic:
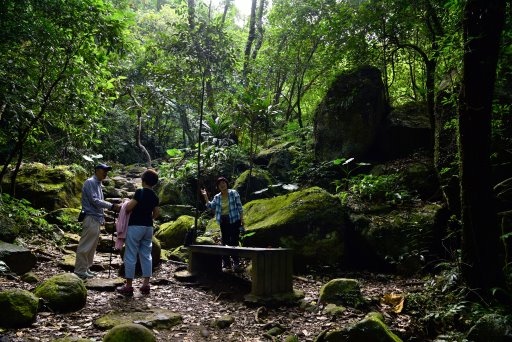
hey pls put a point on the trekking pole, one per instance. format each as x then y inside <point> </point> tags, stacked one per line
<point>112,245</point>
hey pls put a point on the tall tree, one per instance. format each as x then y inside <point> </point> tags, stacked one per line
<point>250,39</point>
<point>482,262</point>
<point>56,54</point>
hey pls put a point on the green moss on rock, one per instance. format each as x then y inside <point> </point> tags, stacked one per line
<point>50,187</point>
<point>18,308</point>
<point>172,234</point>
<point>129,332</point>
<point>341,291</point>
<point>63,292</point>
<point>309,221</point>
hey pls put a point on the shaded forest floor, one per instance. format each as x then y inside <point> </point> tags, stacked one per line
<point>199,304</point>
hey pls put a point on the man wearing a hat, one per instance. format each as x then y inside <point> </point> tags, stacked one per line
<point>93,205</point>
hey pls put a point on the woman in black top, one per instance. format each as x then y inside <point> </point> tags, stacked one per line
<point>143,208</point>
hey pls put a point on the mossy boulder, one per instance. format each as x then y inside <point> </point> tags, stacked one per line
<point>342,291</point>
<point>309,221</point>
<point>371,328</point>
<point>169,191</point>
<point>63,292</point>
<point>171,212</point>
<point>63,216</point>
<point>172,234</point>
<point>129,332</point>
<point>491,327</point>
<point>156,318</point>
<point>396,238</point>
<point>350,117</point>
<point>254,184</point>
<point>50,187</point>
<point>179,254</point>
<point>19,308</point>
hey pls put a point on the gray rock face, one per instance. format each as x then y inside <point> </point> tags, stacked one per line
<point>347,121</point>
<point>19,259</point>
<point>407,130</point>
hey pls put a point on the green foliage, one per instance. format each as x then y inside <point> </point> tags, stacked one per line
<point>217,132</point>
<point>174,152</point>
<point>347,167</point>
<point>378,188</point>
<point>444,307</point>
<point>55,90</point>
<point>30,220</point>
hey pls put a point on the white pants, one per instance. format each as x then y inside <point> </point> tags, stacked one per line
<point>87,245</point>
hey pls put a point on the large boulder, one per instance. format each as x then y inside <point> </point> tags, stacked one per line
<point>407,130</point>
<point>278,160</point>
<point>170,191</point>
<point>19,308</point>
<point>9,229</point>
<point>395,237</point>
<point>63,292</point>
<point>350,117</point>
<point>251,183</point>
<point>49,187</point>
<point>309,221</point>
<point>172,234</point>
<point>19,259</point>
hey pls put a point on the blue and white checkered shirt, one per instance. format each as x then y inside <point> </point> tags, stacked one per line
<point>235,206</point>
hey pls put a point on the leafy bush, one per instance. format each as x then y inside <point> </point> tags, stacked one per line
<point>30,221</point>
<point>378,188</point>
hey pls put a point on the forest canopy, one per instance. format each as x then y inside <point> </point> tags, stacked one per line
<point>77,77</point>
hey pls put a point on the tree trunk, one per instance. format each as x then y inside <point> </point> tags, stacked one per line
<point>250,40</point>
<point>227,4</point>
<point>191,13</point>
<point>259,30</point>
<point>482,257</point>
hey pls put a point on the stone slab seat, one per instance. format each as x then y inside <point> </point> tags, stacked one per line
<point>271,271</point>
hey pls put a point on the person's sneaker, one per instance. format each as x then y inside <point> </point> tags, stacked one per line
<point>145,289</point>
<point>125,290</point>
<point>91,273</point>
<point>83,276</point>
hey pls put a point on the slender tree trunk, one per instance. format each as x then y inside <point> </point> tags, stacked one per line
<point>2,109</point>
<point>482,257</point>
<point>138,138</point>
<point>227,4</point>
<point>191,14</point>
<point>430,79</point>
<point>189,138</point>
<point>250,40</point>
<point>139,128</point>
<point>259,29</point>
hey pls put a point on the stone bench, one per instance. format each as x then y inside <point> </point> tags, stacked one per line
<point>271,271</point>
